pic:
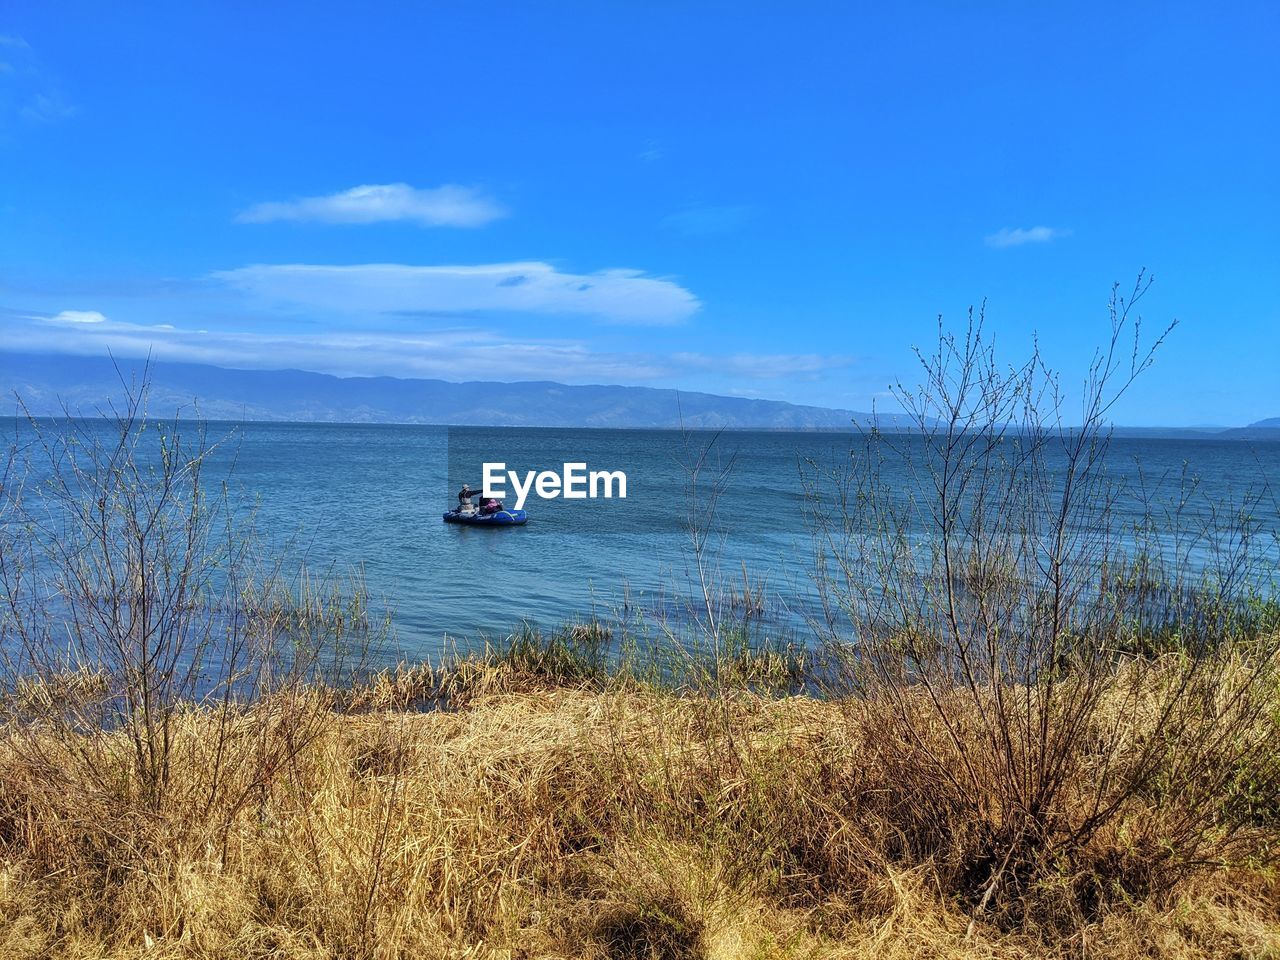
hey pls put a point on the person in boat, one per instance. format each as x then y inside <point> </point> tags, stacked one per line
<point>465,494</point>
<point>490,506</point>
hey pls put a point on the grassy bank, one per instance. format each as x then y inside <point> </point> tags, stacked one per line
<point>529,804</point>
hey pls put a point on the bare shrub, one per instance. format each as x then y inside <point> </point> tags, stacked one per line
<point>987,615</point>
<point>133,596</point>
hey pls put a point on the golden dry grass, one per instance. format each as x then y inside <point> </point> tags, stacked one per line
<point>553,822</point>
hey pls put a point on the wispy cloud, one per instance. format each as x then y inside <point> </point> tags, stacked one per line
<point>455,354</point>
<point>27,89</point>
<point>701,220</point>
<point>78,316</point>
<point>764,366</point>
<point>616,296</point>
<point>48,108</point>
<point>653,151</point>
<point>1018,236</point>
<point>447,206</point>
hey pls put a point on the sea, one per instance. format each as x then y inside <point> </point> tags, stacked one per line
<point>368,500</point>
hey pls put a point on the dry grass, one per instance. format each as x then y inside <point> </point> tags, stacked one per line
<point>533,819</point>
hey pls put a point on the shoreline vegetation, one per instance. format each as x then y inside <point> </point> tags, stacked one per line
<point>1023,735</point>
<point>531,800</point>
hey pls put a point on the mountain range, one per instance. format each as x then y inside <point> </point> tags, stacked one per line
<point>54,384</point>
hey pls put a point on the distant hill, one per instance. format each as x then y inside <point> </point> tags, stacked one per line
<point>47,382</point>
<point>1268,429</point>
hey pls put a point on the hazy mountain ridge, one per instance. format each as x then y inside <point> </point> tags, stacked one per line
<point>1268,429</point>
<point>48,384</point>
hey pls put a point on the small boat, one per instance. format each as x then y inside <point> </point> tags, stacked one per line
<point>490,513</point>
<point>477,518</point>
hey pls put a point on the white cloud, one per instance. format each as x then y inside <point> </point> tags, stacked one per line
<point>1016,237</point>
<point>447,206</point>
<point>78,316</point>
<point>457,354</point>
<point>618,296</point>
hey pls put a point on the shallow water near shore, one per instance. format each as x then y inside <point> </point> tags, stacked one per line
<point>370,498</point>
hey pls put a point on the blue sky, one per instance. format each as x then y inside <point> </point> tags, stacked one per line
<point>760,199</point>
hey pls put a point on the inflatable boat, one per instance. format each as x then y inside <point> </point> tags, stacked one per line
<point>499,518</point>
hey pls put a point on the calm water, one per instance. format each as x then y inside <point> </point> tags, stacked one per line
<point>371,497</point>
